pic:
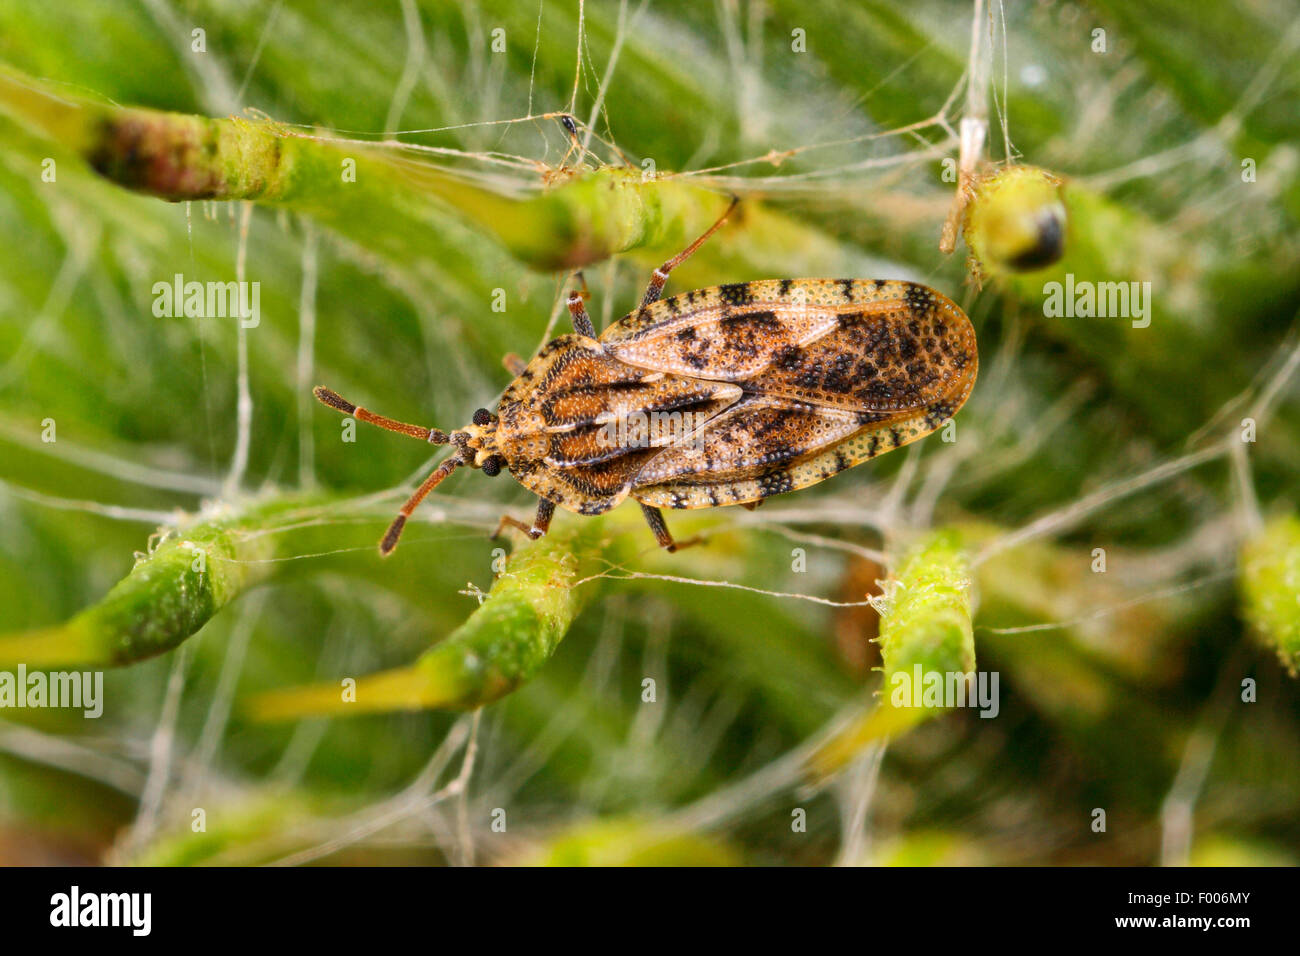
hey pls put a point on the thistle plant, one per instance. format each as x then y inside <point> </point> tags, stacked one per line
<point>209,212</point>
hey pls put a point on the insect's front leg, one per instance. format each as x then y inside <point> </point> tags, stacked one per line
<point>577,304</point>
<point>655,519</point>
<point>541,521</point>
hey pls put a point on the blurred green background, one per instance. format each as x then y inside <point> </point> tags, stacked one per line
<point>1132,705</point>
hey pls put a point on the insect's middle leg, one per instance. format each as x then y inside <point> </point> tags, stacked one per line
<point>660,276</point>
<point>655,519</point>
<point>541,521</point>
<point>577,304</point>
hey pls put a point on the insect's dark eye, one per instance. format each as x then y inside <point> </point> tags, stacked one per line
<point>483,417</point>
<point>492,466</point>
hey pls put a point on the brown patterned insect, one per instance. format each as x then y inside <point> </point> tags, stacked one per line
<point>720,396</point>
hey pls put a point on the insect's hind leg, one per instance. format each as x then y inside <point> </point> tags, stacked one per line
<point>660,276</point>
<point>655,519</point>
<point>541,521</point>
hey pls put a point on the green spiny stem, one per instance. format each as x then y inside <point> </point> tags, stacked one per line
<point>928,618</point>
<point>925,630</point>
<point>501,645</point>
<point>589,216</point>
<point>1270,588</point>
<point>167,596</point>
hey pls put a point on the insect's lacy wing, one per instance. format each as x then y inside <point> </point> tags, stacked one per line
<point>756,434</point>
<point>861,345</point>
<point>725,333</point>
<point>888,362</point>
<point>655,424</point>
<point>593,462</point>
<point>590,421</point>
<point>586,489</point>
<point>595,408</point>
<point>591,417</point>
<point>769,445</point>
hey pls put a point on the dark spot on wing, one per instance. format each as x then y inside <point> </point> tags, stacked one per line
<point>761,322</point>
<point>920,302</point>
<point>735,293</point>
<point>775,483</point>
<point>788,357</point>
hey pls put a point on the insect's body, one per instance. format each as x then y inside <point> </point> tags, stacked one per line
<point>721,396</point>
<point>735,393</point>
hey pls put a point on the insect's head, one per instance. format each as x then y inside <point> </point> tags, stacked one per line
<point>477,443</point>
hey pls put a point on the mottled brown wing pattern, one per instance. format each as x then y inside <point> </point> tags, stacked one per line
<point>835,372</point>
<point>787,382</point>
<point>757,433</point>
<point>888,356</point>
<point>697,334</point>
<point>763,481</point>
<point>587,489</point>
<point>847,343</point>
<point>579,428</point>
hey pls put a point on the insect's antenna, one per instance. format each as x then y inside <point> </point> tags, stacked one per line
<point>335,400</point>
<point>395,529</point>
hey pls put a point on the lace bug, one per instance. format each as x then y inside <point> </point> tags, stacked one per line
<point>718,396</point>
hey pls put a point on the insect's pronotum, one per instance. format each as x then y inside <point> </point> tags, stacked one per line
<point>719,396</point>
